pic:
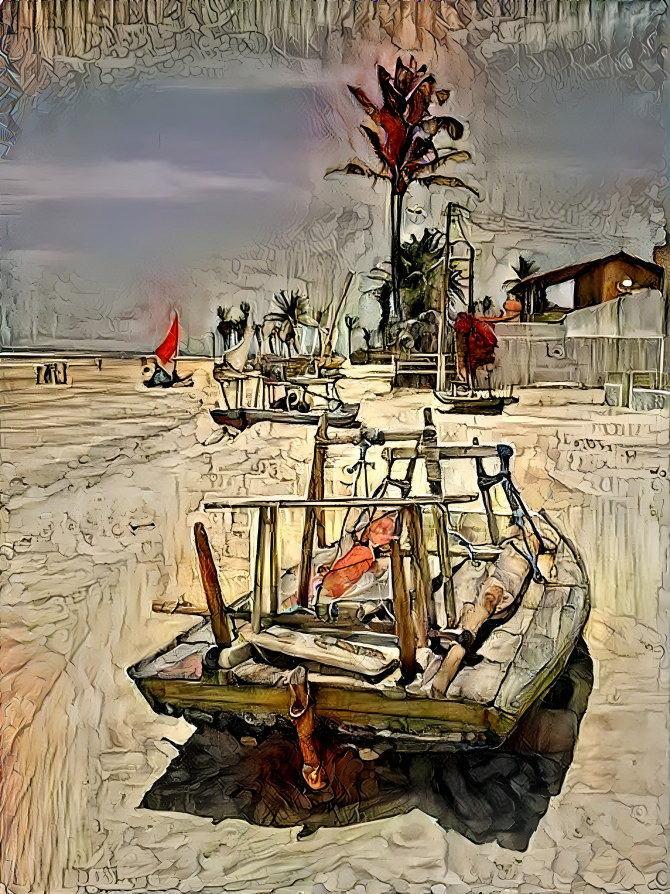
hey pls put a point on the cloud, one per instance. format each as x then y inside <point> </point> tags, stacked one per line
<point>131,180</point>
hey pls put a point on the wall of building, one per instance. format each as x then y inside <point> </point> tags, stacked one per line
<point>529,359</point>
<point>586,346</point>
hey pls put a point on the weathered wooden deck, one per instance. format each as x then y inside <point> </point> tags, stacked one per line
<point>512,668</point>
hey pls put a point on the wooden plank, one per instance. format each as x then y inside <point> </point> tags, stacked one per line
<point>488,506</point>
<point>448,670</point>
<point>259,575</point>
<point>222,505</point>
<point>367,708</point>
<point>422,580</point>
<point>403,616</point>
<point>273,523</point>
<point>210,584</point>
<point>443,452</point>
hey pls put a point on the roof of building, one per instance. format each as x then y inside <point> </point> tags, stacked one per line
<point>563,274</point>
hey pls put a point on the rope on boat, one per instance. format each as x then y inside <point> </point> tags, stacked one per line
<point>366,518</point>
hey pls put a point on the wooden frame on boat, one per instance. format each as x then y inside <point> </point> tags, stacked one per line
<point>478,702</point>
<point>263,407</point>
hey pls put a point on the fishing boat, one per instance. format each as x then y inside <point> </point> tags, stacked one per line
<point>241,418</point>
<point>428,617</point>
<point>299,401</point>
<point>292,390</point>
<point>164,371</point>
<point>463,399</point>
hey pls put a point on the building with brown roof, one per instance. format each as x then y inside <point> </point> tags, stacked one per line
<point>585,285</point>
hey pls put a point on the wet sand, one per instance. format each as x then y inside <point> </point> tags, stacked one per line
<point>101,482</point>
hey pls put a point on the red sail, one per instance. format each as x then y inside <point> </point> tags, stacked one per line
<point>168,350</point>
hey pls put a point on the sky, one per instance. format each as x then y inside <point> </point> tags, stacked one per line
<point>160,183</point>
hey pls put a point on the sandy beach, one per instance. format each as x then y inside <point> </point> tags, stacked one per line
<point>100,485</point>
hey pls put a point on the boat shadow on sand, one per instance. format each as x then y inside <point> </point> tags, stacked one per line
<point>227,770</point>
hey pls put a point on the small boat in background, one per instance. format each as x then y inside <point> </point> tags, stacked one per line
<point>301,400</point>
<point>164,373</point>
<point>475,353</point>
<point>295,390</point>
<point>466,400</point>
<point>241,418</point>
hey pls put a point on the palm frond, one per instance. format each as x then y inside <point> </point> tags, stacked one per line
<point>359,169</point>
<point>455,155</point>
<point>360,95</point>
<point>441,180</point>
<point>375,142</point>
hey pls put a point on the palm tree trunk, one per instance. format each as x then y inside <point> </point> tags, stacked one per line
<point>396,219</point>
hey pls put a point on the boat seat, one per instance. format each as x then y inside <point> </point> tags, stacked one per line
<point>370,655</point>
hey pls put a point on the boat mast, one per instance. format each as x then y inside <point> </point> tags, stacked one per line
<point>471,278</point>
<point>444,310</point>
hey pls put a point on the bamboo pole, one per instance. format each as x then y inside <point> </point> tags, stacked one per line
<point>438,453</point>
<point>306,556</point>
<point>403,617</point>
<point>431,452</point>
<point>210,584</point>
<point>259,574</point>
<point>354,438</point>
<point>444,310</point>
<point>318,488</point>
<point>313,521</point>
<point>273,513</point>
<point>422,581</point>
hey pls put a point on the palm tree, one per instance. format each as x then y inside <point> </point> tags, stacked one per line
<point>290,314</point>
<point>232,330</point>
<point>241,323</point>
<point>455,289</point>
<point>225,326</point>
<point>367,335</point>
<point>350,323</point>
<point>523,268</point>
<point>421,260</point>
<point>421,266</point>
<point>402,139</point>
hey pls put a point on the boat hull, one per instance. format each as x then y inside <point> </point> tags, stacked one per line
<point>241,418</point>
<point>487,406</point>
<point>476,711</point>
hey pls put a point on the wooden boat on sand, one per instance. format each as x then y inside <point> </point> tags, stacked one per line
<point>301,400</point>
<point>436,619</point>
<point>241,418</point>
<point>294,390</point>
<point>467,401</point>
